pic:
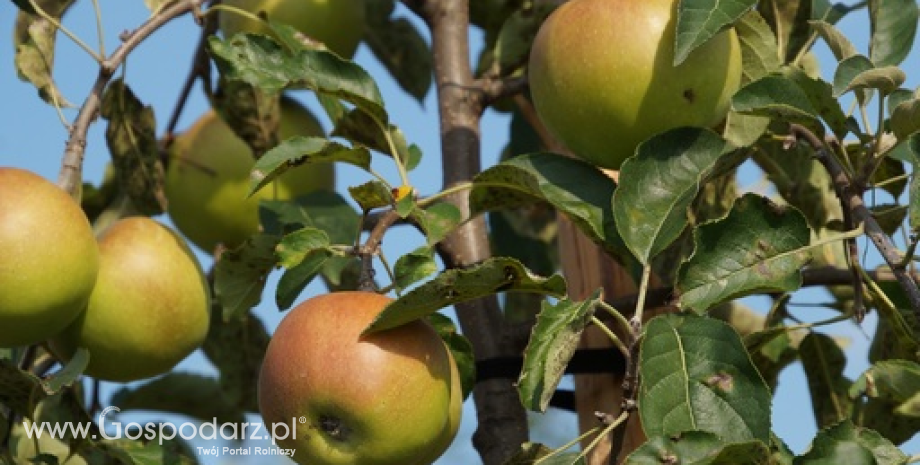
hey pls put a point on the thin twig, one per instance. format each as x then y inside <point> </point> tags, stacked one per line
<point>852,200</point>
<point>71,175</point>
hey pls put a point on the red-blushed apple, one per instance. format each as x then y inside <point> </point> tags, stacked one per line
<point>207,180</point>
<point>150,307</point>
<point>337,23</point>
<point>48,258</point>
<point>602,76</point>
<point>387,398</point>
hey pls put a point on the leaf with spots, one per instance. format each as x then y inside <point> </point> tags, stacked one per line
<point>658,185</point>
<point>553,341</point>
<point>845,443</point>
<point>697,375</point>
<point>758,247</point>
<point>299,150</point>
<point>698,447</point>
<point>499,274</point>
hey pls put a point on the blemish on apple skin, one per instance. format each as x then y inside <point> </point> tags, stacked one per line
<point>689,95</point>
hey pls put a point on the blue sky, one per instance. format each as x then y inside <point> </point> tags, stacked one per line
<point>32,137</point>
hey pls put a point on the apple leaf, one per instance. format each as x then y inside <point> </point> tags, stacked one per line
<point>240,274</point>
<point>845,444</point>
<point>236,348</point>
<point>132,141</point>
<point>775,97</point>
<point>788,18</point>
<point>759,246</point>
<point>325,210</point>
<point>698,447</point>
<point>414,267</point>
<point>659,183</point>
<point>371,195</point>
<point>460,347</point>
<point>262,62</point>
<point>553,342</point>
<point>839,44</point>
<point>859,73</point>
<point>532,453</point>
<point>499,274</point>
<point>574,187</point>
<point>18,388</point>
<point>692,366</point>
<point>512,46</point>
<point>699,20</point>
<point>821,95</point>
<point>758,47</point>
<point>905,118</point>
<point>298,276</point>
<point>358,126</point>
<point>400,48</point>
<point>189,394</point>
<point>34,39</point>
<point>438,220</point>
<point>895,380</point>
<point>298,150</point>
<point>824,362</point>
<point>296,246</point>
<point>893,25</point>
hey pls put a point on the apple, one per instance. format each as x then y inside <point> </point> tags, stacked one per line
<point>207,179</point>
<point>391,397</point>
<point>150,307</point>
<point>337,23</point>
<point>49,258</point>
<point>602,76</point>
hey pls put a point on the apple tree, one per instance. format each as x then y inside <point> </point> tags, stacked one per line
<point>651,268</point>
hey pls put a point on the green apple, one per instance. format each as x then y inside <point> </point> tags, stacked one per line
<point>337,23</point>
<point>207,179</point>
<point>391,397</point>
<point>150,307</point>
<point>602,76</point>
<point>48,258</point>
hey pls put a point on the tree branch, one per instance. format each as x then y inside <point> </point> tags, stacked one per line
<point>70,177</point>
<point>502,421</point>
<point>852,200</point>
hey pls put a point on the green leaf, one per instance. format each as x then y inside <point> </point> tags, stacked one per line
<point>460,285</point>
<point>296,246</point>
<point>905,118</point>
<point>358,126</point>
<point>260,61</point>
<point>301,149</point>
<point>758,247</point>
<point>460,347</point>
<point>297,277</point>
<point>858,73</point>
<point>788,18</point>
<point>371,195</point>
<point>698,448</point>
<point>824,361</point>
<point>658,185</point>
<point>775,97</point>
<point>414,267</point>
<point>188,394</point>
<point>132,141</point>
<point>402,50</point>
<point>325,210</point>
<point>699,20</point>
<point>839,44</point>
<point>438,220</point>
<point>253,114</point>
<point>893,26</point>
<point>575,188</point>
<point>844,444</point>
<point>821,95</point>
<point>535,453</point>
<point>759,56</point>
<point>553,342</point>
<point>236,349</point>
<point>696,375</point>
<point>34,39</point>
<point>18,388</point>
<point>894,380</point>
<point>512,46</point>
<point>240,274</point>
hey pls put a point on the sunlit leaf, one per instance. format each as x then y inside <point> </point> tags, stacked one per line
<point>893,25</point>
<point>699,20</point>
<point>696,375</point>
<point>298,150</point>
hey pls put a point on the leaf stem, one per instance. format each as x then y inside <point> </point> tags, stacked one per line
<point>566,446</point>
<point>100,31</point>
<point>636,322</point>
<point>613,337</point>
<point>400,165</point>
<point>619,420</point>
<point>617,316</point>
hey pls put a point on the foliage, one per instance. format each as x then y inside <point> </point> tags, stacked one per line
<point>701,381</point>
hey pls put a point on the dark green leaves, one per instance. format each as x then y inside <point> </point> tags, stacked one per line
<point>573,187</point>
<point>759,246</point>
<point>659,184</point>
<point>699,447</point>
<point>262,62</point>
<point>400,48</point>
<point>696,375</point>
<point>699,20</point>
<point>858,72</point>
<point>553,341</point>
<point>775,97</point>
<point>301,149</point>
<point>846,444</point>
<point>456,285</point>
<point>894,26</point>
